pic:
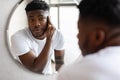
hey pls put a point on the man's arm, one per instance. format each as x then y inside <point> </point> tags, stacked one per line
<point>59,58</point>
<point>36,64</point>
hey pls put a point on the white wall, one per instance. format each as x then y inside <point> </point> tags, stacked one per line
<point>9,69</point>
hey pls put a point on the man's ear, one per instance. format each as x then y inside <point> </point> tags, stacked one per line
<point>97,38</point>
<point>100,37</point>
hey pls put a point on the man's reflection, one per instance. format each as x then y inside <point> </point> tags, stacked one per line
<point>36,46</point>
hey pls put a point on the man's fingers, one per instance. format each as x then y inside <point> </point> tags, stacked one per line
<point>49,22</point>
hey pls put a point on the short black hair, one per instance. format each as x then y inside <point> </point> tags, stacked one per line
<point>106,10</point>
<point>37,4</point>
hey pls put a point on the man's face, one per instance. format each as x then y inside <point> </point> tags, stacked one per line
<point>81,36</point>
<point>37,20</point>
<point>85,37</point>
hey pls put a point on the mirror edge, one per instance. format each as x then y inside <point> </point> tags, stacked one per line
<point>7,27</point>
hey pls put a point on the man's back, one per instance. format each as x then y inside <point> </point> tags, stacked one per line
<point>99,41</point>
<point>98,66</point>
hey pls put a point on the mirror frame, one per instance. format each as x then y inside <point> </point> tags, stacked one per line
<point>11,16</point>
<point>8,26</point>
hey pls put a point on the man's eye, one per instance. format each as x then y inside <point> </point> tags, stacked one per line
<point>41,19</point>
<point>31,20</point>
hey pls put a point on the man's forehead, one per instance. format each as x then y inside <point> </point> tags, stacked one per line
<point>38,13</point>
<point>44,13</point>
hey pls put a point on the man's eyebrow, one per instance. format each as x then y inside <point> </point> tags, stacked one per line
<point>30,16</point>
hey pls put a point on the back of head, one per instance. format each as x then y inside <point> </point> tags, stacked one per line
<point>102,10</point>
<point>37,4</point>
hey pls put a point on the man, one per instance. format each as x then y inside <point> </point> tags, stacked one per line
<point>35,46</point>
<point>99,41</point>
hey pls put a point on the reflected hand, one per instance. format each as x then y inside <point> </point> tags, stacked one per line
<point>50,30</point>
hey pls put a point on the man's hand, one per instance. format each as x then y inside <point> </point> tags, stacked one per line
<point>50,30</point>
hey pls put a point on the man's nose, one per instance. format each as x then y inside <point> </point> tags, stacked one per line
<point>37,23</point>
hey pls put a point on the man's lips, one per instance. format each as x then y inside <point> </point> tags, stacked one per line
<point>38,32</point>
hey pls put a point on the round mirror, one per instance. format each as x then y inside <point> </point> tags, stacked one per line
<point>26,43</point>
<point>19,21</point>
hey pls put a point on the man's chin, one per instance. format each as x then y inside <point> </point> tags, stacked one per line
<point>41,37</point>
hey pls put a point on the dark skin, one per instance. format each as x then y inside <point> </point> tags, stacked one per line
<point>95,35</point>
<point>40,27</point>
